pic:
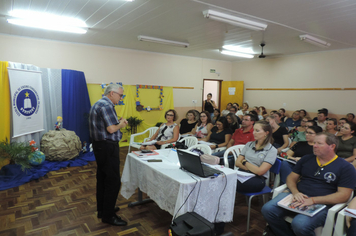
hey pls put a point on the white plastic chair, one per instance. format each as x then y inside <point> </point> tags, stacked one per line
<point>287,148</point>
<point>203,147</point>
<point>327,229</point>
<point>235,150</point>
<point>151,131</point>
<point>189,141</point>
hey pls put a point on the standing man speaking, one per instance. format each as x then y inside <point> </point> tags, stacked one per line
<point>105,133</point>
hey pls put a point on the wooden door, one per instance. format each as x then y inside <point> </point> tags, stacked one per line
<point>231,91</point>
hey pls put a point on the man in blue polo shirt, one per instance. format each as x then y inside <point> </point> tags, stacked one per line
<point>322,178</point>
<point>105,133</point>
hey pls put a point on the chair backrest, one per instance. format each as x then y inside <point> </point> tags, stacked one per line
<point>276,167</point>
<point>189,141</point>
<point>151,131</point>
<point>235,150</point>
<point>203,147</point>
<point>275,170</point>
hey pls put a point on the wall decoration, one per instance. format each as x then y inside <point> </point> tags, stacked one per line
<point>140,107</point>
<point>103,86</point>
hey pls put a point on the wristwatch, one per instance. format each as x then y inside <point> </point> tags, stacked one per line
<point>216,146</point>
<point>244,162</point>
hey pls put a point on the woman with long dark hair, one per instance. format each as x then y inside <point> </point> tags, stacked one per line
<point>219,134</point>
<point>203,127</point>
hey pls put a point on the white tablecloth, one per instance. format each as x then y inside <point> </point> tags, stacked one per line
<point>170,186</point>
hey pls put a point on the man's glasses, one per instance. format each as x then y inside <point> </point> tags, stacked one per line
<point>318,171</point>
<point>118,94</point>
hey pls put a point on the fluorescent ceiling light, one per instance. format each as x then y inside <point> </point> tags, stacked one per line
<point>238,49</point>
<point>236,54</point>
<point>234,20</point>
<point>47,21</point>
<point>163,41</point>
<point>312,40</point>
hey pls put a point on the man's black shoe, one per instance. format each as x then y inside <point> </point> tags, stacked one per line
<point>115,220</point>
<point>100,213</point>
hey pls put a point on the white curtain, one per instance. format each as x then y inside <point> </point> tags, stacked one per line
<point>52,96</point>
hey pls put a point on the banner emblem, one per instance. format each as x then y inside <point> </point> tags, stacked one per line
<point>26,101</point>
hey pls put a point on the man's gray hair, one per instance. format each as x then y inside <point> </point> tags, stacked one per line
<point>330,139</point>
<point>112,87</point>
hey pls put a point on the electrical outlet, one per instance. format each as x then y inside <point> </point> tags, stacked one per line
<point>194,101</point>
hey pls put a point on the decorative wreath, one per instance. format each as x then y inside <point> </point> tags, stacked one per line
<point>103,86</point>
<point>140,107</point>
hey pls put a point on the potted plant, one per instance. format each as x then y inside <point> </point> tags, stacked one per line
<point>17,153</point>
<point>133,122</point>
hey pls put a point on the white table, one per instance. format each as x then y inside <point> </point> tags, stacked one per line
<point>170,186</point>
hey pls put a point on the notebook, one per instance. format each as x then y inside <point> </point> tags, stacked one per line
<point>191,162</point>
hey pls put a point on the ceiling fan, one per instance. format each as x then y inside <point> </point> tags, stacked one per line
<point>262,55</point>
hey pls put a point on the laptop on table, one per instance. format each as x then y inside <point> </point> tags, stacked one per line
<point>191,162</point>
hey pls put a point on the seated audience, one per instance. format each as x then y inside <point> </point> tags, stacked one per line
<point>257,157</point>
<point>299,150</point>
<point>347,142</point>
<point>263,112</point>
<point>293,122</point>
<point>203,127</point>
<point>219,134</point>
<point>280,134</point>
<point>299,135</point>
<point>278,117</point>
<point>303,113</point>
<point>227,110</point>
<point>243,111</point>
<point>167,133</point>
<point>331,126</point>
<point>258,112</point>
<point>215,116</point>
<point>188,123</point>
<point>235,104</point>
<point>242,135</point>
<point>233,123</point>
<point>308,185</point>
<point>321,119</point>
<point>233,109</point>
<point>342,121</point>
<point>283,113</point>
<point>350,117</point>
<point>271,113</point>
<point>351,221</point>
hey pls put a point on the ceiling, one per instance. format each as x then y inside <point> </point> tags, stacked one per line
<point>117,23</point>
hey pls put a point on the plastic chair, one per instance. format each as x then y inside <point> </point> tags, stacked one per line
<point>287,148</point>
<point>203,147</point>
<point>189,141</point>
<point>327,229</point>
<point>340,226</point>
<point>275,170</point>
<point>235,150</point>
<point>151,132</point>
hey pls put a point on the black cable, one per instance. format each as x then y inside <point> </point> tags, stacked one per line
<point>221,196</point>
<point>196,182</point>
<point>196,201</point>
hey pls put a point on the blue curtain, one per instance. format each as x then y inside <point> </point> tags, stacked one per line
<point>75,103</point>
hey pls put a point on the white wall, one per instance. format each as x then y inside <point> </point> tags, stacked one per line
<point>334,69</point>
<point>107,64</point>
